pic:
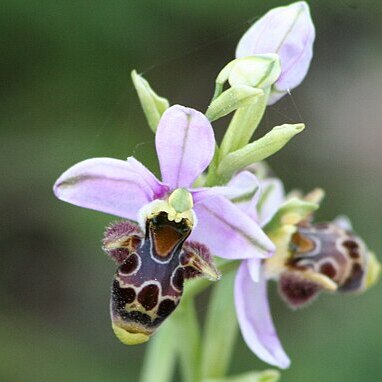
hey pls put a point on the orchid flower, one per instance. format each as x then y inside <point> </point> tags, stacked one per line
<point>309,258</point>
<point>185,146</point>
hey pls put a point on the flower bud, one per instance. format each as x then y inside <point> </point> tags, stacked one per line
<point>259,71</point>
<point>289,32</point>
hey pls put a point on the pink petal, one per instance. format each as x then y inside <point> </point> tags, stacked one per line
<point>249,206</point>
<point>254,268</point>
<point>148,177</point>
<point>185,145</point>
<point>228,232</point>
<point>255,319</point>
<point>109,185</point>
<point>272,190</point>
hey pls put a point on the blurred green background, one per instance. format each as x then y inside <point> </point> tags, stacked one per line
<point>66,95</point>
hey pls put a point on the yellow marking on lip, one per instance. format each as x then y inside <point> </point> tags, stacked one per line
<point>129,338</point>
<point>322,280</point>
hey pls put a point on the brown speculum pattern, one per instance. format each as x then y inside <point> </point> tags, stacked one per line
<point>148,283</point>
<point>326,251</point>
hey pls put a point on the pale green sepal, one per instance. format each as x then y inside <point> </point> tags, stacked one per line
<point>220,331</point>
<point>291,212</point>
<point>243,125</point>
<point>258,150</point>
<point>221,79</point>
<point>153,105</point>
<point>232,99</point>
<point>263,376</point>
<point>259,71</point>
<point>161,355</point>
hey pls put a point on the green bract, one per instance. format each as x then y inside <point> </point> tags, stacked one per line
<point>258,150</point>
<point>234,98</point>
<point>153,105</point>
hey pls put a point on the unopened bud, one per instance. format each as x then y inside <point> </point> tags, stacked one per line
<point>289,32</point>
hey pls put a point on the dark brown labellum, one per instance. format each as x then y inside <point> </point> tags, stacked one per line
<point>148,284</point>
<point>153,275</point>
<point>296,290</point>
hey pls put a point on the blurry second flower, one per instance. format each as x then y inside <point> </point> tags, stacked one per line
<point>309,258</point>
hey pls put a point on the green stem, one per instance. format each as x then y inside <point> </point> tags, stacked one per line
<point>187,334</point>
<point>243,125</point>
<point>220,330</point>
<point>160,357</point>
<point>240,130</point>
